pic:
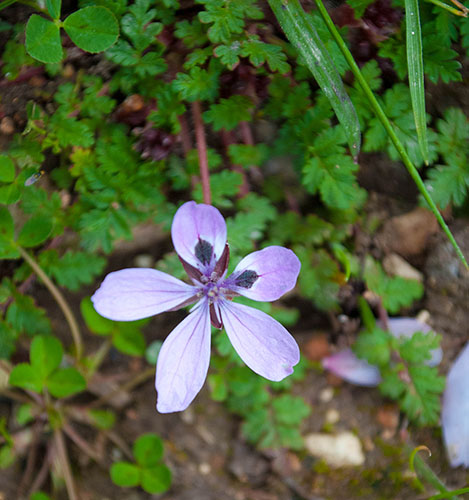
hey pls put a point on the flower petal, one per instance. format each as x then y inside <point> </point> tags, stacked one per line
<point>183,362</point>
<point>346,365</point>
<point>138,293</point>
<point>406,327</point>
<point>199,235</point>
<point>262,343</point>
<point>265,275</point>
<point>455,411</point>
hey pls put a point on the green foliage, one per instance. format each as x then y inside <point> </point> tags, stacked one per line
<point>93,29</point>
<point>126,336</point>
<point>148,471</point>
<point>229,112</point>
<point>395,292</point>
<point>44,372</point>
<point>405,376</point>
<point>449,183</point>
<point>439,60</point>
<point>271,419</point>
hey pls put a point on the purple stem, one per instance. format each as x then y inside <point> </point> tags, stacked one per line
<point>202,150</point>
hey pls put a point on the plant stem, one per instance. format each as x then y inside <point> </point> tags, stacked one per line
<point>137,380</point>
<point>6,3</point>
<point>60,299</point>
<point>445,6</point>
<point>65,464</point>
<point>388,127</point>
<point>202,150</point>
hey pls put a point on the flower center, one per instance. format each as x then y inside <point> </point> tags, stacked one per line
<point>213,292</point>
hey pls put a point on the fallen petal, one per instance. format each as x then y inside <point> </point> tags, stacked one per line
<point>346,365</point>
<point>261,342</point>
<point>455,411</point>
<point>183,362</point>
<point>199,235</point>
<point>265,275</point>
<point>137,293</point>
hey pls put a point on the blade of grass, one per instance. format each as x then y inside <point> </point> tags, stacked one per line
<point>389,129</point>
<point>305,39</point>
<point>415,70</point>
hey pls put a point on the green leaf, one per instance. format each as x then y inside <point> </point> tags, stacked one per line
<point>23,375</point>
<point>8,337</point>
<point>24,414</point>
<point>103,419</point>
<point>125,474</point>
<point>73,269</point>
<point>218,387</point>
<point>395,292</point>
<point>290,410</point>
<point>53,7</point>
<point>27,318</point>
<point>35,231</point>
<point>39,496</point>
<point>7,456</point>
<point>9,194</point>
<point>93,28</point>
<point>225,20</point>
<point>65,382</point>
<point>260,52</point>
<point>198,85</point>
<point>305,39</point>
<point>45,355</point>
<point>229,54</point>
<point>95,322</point>
<point>156,479</point>
<point>152,351</point>
<point>129,341</point>
<point>7,169</point>
<point>228,113</point>
<point>7,226</point>
<point>247,155</point>
<point>148,450</point>
<point>374,346</point>
<point>43,40</point>
<point>415,70</point>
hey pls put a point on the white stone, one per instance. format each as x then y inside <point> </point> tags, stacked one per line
<point>326,395</point>
<point>397,266</point>
<point>332,416</point>
<point>340,450</point>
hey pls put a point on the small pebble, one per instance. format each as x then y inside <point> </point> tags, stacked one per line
<point>7,126</point>
<point>332,416</point>
<point>205,469</point>
<point>326,395</point>
<point>144,260</point>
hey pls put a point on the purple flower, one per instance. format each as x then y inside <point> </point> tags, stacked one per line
<point>199,237</point>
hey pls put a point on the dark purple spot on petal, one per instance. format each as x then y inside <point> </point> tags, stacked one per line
<point>246,279</point>
<point>203,251</point>
<point>222,263</point>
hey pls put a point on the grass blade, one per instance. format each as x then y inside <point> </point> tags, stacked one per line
<point>380,114</point>
<point>305,39</point>
<point>415,70</point>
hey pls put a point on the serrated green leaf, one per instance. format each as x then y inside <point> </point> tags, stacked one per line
<point>65,382</point>
<point>198,84</point>
<point>7,169</point>
<point>93,28</point>
<point>25,317</point>
<point>156,479</point>
<point>260,52</point>
<point>43,40</point>
<point>23,375</point>
<point>8,337</point>
<point>228,113</point>
<point>290,410</point>
<point>148,450</point>
<point>45,355</point>
<point>125,474</point>
<point>35,231</point>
